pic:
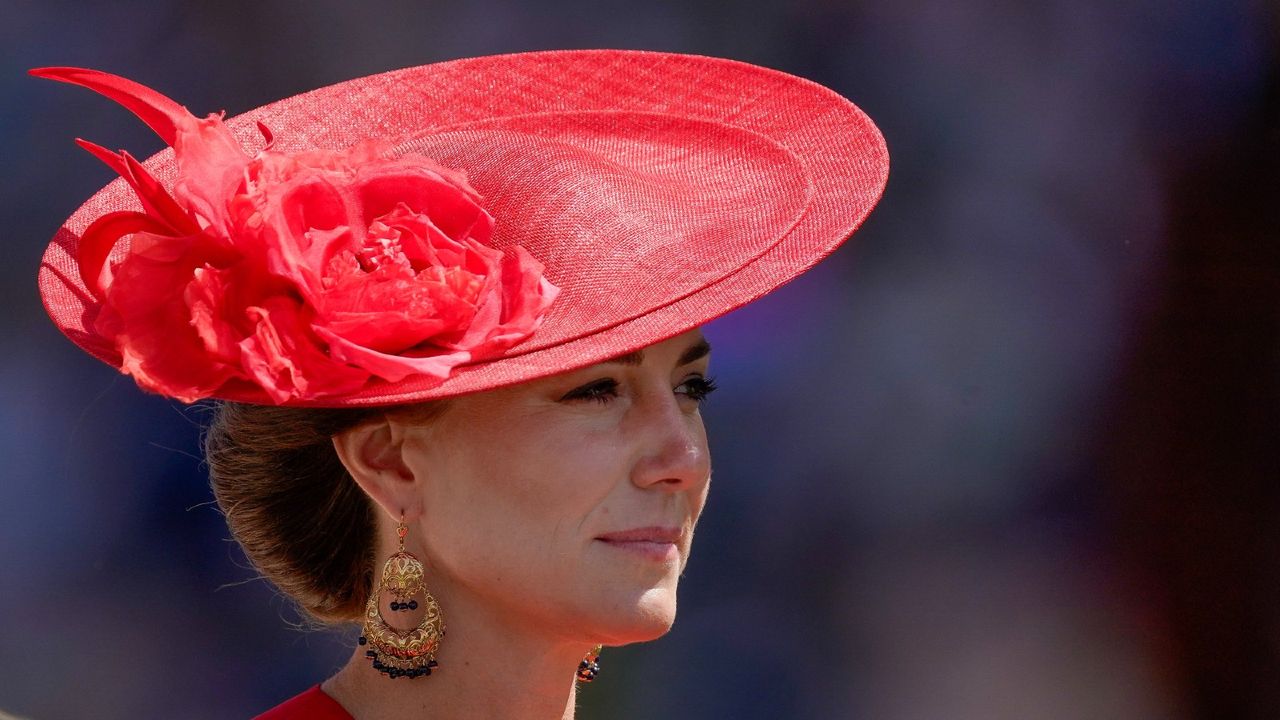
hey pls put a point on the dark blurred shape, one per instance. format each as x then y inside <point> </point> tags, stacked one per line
<point>1193,456</point>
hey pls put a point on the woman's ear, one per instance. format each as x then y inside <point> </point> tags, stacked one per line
<point>373,454</point>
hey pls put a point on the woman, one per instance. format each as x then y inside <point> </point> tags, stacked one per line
<point>453,311</point>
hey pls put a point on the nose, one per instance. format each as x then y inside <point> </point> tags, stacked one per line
<point>673,453</point>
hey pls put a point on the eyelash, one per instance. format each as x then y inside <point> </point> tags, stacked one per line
<point>605,390</point>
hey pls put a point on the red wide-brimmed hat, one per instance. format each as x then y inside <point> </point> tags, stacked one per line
<point>453,227</point>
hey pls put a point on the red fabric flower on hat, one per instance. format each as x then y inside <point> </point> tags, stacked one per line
<point>307,274</point>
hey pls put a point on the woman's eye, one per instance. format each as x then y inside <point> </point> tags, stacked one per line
<point>600,391</point>
<point>698,388</point>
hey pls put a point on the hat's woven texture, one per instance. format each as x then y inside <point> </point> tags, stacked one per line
<point>659,190</point>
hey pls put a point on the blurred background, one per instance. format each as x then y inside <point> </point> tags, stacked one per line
<point>1014,452</point>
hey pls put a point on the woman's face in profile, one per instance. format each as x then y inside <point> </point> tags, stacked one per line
<point>568,503</point>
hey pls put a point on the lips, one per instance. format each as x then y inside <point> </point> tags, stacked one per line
<point>651,543</point>
<point>653,534</point>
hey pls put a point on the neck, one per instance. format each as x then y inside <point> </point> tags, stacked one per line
<point>489,669</point>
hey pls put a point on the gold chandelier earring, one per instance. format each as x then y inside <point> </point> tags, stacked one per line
<point>399,652</point>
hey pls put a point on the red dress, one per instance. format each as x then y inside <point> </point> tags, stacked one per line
<point>313,704</point>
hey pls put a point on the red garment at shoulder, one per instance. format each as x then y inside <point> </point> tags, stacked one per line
<point>313,704</point>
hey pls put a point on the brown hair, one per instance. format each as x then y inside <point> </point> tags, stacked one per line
<point>292,505</point>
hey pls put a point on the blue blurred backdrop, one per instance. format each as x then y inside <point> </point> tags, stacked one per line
<point>1014,452</point>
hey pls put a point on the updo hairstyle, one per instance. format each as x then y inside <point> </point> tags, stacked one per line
<point>291,504</point>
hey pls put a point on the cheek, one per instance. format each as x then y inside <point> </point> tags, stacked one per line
<point>514,517</point>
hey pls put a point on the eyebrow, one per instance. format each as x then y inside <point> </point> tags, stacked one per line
<point>696,351</point>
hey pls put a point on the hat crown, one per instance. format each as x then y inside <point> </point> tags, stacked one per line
<point>623,208</point>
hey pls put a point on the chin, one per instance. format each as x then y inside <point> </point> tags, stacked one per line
<point>639,619</point>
